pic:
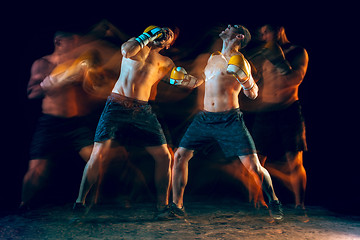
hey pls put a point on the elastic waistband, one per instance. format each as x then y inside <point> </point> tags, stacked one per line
<point>234,110</point>
<point>129,101</point>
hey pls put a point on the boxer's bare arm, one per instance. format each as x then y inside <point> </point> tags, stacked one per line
<point>72,75</point>
<point>130,48</point>
<point>198,69</point>
<point>253,92</point>
<point>39,71</point>
<point>165,66</point>
<point>199,82</point>
<point>299,67</point>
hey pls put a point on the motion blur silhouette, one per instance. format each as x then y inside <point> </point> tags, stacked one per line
<point>275,119</point>
<point>73,83</point>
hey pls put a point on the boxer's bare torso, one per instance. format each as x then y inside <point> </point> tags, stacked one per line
<point>221,88</point>
<point>280,91</point>
<point>277,91</point>
<point>141,72</point>
<point>62,100</point>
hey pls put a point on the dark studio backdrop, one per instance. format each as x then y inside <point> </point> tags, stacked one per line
<point>327,99</point>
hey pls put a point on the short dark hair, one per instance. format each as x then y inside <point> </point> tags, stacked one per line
<point>62,34</point>
<point>247,36</point>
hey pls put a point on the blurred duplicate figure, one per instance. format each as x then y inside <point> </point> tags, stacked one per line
<point>128,119</point>
<point>277,123</point>
<point>225,75</point>
<point>69,112</point>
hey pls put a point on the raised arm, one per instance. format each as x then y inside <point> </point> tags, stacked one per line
<point>274,53</point>
<point>298,60</point>
<point>240,68</point>
<point>71,71</point>
<point>130,48</point>
<point>134,45</point>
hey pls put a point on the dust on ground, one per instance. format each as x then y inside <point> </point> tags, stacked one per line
<point>206,220</point>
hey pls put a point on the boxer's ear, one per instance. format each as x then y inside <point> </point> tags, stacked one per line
<point>240,36</point>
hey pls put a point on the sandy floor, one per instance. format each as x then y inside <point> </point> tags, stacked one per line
<point>206,220</point>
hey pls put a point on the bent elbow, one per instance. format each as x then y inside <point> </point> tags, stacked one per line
<point>125,53</point>
<point>253,95</point>
<point>130,49</point>
<point>124,50</point>
<point>256,92</point>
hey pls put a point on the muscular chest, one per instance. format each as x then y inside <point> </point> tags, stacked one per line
<point>272,78</point>
<point>216,68</point>
<point>217,79</point>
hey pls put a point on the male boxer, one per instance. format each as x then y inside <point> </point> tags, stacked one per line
<point>226,74</point>
<point>278,125</point>
<point>69,112</point>
<point>128,118</point>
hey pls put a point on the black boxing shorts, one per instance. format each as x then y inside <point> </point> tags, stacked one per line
<point>281,131</point>
<point>55,134</point>
<point>130,122</point>
<point>227,128</point>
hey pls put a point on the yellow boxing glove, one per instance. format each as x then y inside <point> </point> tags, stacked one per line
<point>71,71</point>
<point>179,76</point>
<point>150,34</point>
<point>240,68</point>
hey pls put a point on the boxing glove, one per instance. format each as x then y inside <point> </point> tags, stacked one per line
<point>72,70</point>
<point>179,76</point>
<point>88,59</point>
<point>274,53</point>
<point>240,68</point>
<point>150,34</point>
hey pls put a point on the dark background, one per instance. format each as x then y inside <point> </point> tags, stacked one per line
<point>328,93</point>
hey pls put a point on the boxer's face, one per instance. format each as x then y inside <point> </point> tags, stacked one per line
<point>64,44</point>
<point>229,32</point>
<point>266,34</point>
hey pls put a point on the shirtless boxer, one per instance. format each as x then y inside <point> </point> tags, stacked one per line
<point>278,126</point>
<point>128,118</point>
<point>226,74</point>
<point>68,119</point>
